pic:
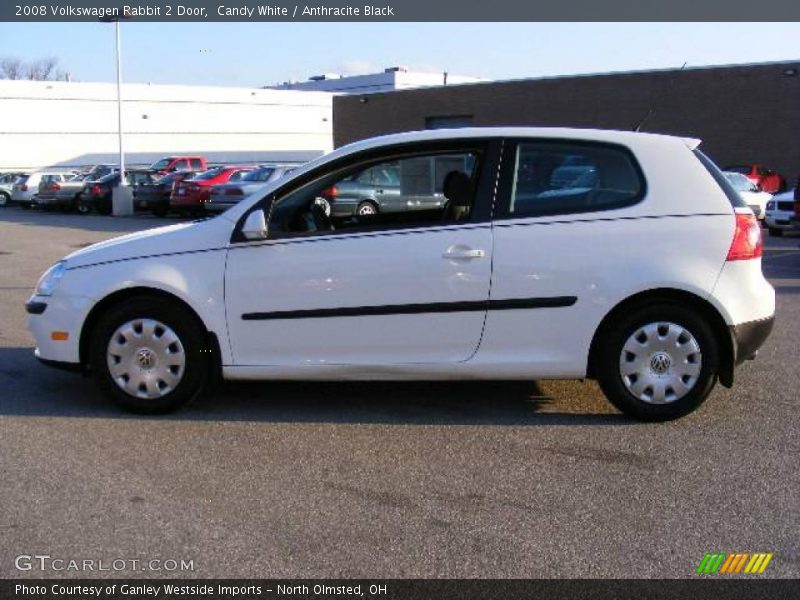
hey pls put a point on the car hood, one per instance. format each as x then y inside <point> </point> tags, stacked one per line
<point>173,239</point>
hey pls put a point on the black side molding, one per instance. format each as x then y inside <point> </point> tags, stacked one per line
<point>412,309</point>
<point>35,308</point>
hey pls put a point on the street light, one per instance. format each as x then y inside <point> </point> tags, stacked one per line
<point>122,199</point>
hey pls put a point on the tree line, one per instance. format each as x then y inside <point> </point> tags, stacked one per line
<point>42,69</point>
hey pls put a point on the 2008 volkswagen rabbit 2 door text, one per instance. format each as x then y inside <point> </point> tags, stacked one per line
<point>529,267</point>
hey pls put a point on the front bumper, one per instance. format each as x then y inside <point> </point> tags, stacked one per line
<point>748,337</point>
<point>55,322</point>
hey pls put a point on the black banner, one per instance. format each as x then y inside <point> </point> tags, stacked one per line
<point>402,10</point>
<point>404,589</point>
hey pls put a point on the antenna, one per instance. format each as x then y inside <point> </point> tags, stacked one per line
<point>651,110</point>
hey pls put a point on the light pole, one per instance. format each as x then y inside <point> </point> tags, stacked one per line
<point>122,181</point>
<point>121,197</point>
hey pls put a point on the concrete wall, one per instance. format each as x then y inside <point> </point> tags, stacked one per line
<point>748,113</point>
<point>59,123</point>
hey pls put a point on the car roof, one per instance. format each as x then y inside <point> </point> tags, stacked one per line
<point>604,135</point>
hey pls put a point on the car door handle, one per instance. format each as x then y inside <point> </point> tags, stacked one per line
<point>460,252</point>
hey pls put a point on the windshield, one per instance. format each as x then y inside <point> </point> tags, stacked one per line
<point>739,182</point>
<point>161,164</point>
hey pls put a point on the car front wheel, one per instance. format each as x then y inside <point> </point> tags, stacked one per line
<point>658,362</point>
<point>149,356</point>
<point>4,198</point>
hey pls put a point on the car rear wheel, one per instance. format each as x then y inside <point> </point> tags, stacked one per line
<point>367,208</point>
<point>160,211</point>
<point>83,206</point>
<point>658,362</point>
<point>774,232</point>
<point>4,198</point>
<point>149,356</point>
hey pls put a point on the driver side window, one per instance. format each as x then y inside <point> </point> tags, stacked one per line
<point>412,191</point>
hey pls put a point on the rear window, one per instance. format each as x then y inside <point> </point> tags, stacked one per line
<point>733,196</point>
<point>22,179</point>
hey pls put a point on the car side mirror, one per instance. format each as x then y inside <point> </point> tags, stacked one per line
<point>255,226</point>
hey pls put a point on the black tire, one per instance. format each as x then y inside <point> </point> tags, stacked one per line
<point>773,232</point>
<point>610,353</point>
<point>192,339</point>
<point>160,211</point>
<point>368,207</point>
<point>4,199</point>
<point>83,206</point>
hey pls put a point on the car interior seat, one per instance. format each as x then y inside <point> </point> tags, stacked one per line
<point>457,188</point>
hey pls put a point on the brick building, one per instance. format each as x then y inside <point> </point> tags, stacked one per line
<point>743,113</point>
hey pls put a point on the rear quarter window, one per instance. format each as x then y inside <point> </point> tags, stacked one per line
<point>566,177</point>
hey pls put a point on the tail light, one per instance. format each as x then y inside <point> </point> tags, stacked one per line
<point>96,190</point>
<point>330,193</point>
<point>747,242</point>
<point>234,192</point>
<point>23,187</point>
<point>54,187</point>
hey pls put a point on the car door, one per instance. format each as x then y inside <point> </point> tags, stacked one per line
<point>374,290</point>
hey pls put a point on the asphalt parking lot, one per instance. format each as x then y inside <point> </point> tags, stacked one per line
<point>493,479</point>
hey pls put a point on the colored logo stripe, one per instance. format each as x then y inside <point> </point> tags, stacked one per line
<point>734,563</point>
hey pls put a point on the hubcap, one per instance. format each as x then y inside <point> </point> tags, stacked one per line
<point>367,209</point>
<point>660,363</point>
<point>146,359</point>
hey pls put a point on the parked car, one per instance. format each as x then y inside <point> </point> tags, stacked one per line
<point>155,196</point>
<point>190,196</point>
<point>225,195</point>
<point>96,195</point>
<point>7,181</point>
<point>750,192</point>
<point>767,179</point>
<point>26,188</point>
<point>66,195</point>
<point>650,281</point>
<point>169,164</point>
<point>377,189</point>
<point>779,213</point>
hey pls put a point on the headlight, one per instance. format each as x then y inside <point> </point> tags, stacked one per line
<point>48,282</point>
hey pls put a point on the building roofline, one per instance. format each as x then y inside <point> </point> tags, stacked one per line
<point>665,70</point>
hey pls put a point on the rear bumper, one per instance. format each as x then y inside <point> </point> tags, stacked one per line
<point>748,337</point>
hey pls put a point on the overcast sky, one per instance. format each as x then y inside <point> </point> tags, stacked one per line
<point>255,54</point>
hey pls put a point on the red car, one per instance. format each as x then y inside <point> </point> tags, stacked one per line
<point>191,195</point>
<point>170,164</point>
<point>768,179</point>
